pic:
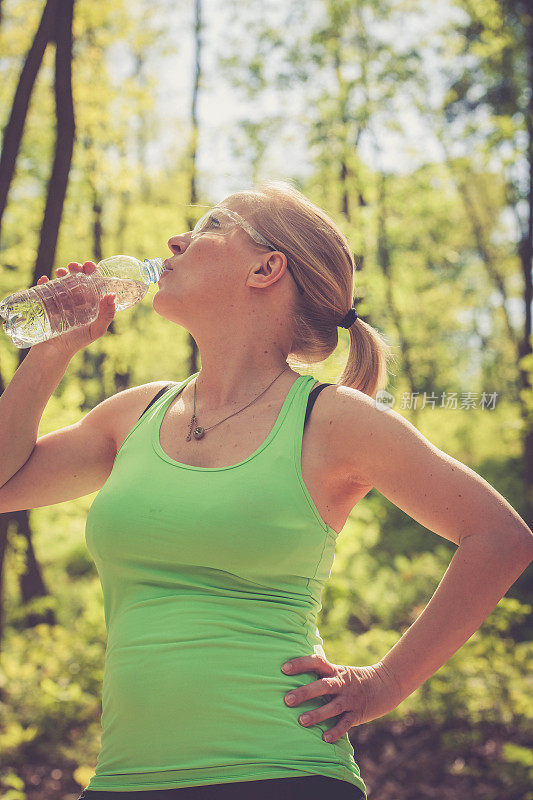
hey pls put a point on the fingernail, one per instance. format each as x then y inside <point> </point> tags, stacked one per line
<point>327,737</point>
<point>290,699</point>
<point>286,667</point>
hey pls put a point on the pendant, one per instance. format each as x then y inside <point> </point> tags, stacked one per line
<point>198,430</point>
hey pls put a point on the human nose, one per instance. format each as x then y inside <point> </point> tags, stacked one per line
<point>179,243</point>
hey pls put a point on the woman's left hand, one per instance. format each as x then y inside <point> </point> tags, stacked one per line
<point>362,693</point>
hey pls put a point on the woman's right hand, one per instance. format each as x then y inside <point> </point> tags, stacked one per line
<point>68,343</point>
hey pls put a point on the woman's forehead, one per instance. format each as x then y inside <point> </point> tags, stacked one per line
<point>233,204</point>
<point>238,208</point>
<point>242,205</point>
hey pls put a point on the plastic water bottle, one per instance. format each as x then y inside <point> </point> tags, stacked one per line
<point>52,308</point>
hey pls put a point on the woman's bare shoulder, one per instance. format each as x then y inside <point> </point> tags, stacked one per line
<point>121,411</point>
<point>346,421</point>
<point>382,449</point>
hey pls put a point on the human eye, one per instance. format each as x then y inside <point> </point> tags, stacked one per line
<point>211,221</point>
<point>214,221</point>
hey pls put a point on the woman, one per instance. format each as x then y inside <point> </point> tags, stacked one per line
<point>219,505</point>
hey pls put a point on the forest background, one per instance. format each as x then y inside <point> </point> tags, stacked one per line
<point>411,123</point>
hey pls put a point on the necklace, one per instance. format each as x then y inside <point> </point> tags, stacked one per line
<point>200,432</point>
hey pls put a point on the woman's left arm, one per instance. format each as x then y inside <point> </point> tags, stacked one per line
<point>495,545</point>
<point>482,569</point>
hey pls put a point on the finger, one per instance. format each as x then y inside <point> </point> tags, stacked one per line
<point>108,302</point>
<point>106,312</point>
<point>106,307</point>
<point>347,721</point>
<point>314,716</point>
<point>311,663</point>
<point>324,686</point>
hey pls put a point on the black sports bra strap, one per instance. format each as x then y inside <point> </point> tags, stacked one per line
<point>158,395</point>
<point>313,394</point>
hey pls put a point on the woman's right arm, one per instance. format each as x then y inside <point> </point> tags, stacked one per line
<point>22,404</point>
<point>63,465</point>
<point>67,463</point>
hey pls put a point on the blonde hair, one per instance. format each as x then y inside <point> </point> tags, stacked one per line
<point>320,259</point>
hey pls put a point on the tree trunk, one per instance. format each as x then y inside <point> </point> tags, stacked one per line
<point>31,581</point>
<point>65,127</point>
<point>122,380</point>
<point>526,258</point>
<point>383,259</point>
<point>19,110</point>
<point>51,27</point>
<point>32,584</point>
<point>343,111</point>
<point>193,147</point>
<point>97,225</point>
<point>125,199</point>
<point>143,135</point>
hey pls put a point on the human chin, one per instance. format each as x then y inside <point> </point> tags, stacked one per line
<point>160,302</point>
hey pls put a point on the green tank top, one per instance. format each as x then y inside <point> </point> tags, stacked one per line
<point>212,579</point>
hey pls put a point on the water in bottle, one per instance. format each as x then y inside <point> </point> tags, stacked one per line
<point>49,309</point>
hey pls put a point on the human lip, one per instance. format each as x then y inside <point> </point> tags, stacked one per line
<point>165,271</point>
